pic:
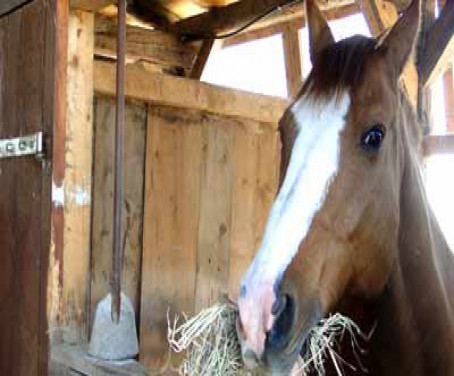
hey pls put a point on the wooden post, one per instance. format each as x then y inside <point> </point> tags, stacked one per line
<point>77,183</point>
<point>293,62</point>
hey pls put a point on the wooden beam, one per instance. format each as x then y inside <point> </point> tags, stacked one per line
<point>439,51</point>
<point>438,145</point>
<point>282,21</point>
<point>202,58</point>
<point>164,51</point>
<point>222,19</point>
<point>381,15</point>
<point>183,93</point>
<point>293,61</point>
<point>7,6</point>
<point>91,5</point>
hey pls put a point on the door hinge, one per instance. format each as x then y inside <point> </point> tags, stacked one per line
<point>32,145</point>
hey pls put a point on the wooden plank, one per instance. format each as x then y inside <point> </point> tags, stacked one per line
<point>183,93</point>
<point>268,169</point>
<point>242,235</point>
<point>135,135</point>
<point>163,50</point>
<point>293,61</point>
<point>172,204</point>
<point>448,79</point>
<point>7,6</point>
<point>381,15</point>
<point>91,5</point>
<point>24,191</point>
<point>202,58</point>
<point>439,51</point>
<point>215,211</point>
<point>59,89</point>
<point>438,145</point>
<point>77,183</point>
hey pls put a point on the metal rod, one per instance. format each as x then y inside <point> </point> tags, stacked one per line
<point>118,250</point>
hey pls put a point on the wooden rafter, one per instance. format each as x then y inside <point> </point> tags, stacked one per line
<point>381,15</point>
<point>286,19</point>
<point>224,19</point>
<point>438,53</point>
<point>202,58</point>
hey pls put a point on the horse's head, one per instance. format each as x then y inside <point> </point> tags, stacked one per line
<point>332,231</point>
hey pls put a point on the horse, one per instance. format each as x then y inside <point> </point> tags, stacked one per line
<point>351,229</point>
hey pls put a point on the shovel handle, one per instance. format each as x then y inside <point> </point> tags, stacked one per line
<point>118,249</point>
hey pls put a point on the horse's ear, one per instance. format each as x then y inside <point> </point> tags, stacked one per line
<point>398,43</point>
<point>320,35</point>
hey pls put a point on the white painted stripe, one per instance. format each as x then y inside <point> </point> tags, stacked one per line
<point>313,165</point>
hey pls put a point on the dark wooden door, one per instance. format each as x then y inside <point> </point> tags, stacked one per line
<point>26,95</point>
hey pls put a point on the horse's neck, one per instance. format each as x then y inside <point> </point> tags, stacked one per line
<point>415,332</point>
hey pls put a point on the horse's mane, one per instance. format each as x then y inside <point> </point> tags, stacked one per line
<point>339,66</point>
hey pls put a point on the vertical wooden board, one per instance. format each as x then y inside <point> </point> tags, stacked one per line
<point>172,193</point>
<point>102,215</point>
<point>268,166</point>
<point>24,216</point>
<point>78,181</point>
<point>215,211</point>
<point>242,241</point>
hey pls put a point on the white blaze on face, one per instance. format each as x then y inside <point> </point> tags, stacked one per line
<point>313,165</point>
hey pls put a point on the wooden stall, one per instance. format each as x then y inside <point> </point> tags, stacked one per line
<point>201,163</point>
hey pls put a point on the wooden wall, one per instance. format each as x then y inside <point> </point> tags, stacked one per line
<point>26,106</point>
<point>199,186</point>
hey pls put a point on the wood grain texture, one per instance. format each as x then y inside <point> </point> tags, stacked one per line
<point>102,215</point>
<point>293,61</point>
<point>78,182</point>
<point>25,105</point>
<point>210,182</point>
<point>172,205</point>
<point>215,211</point>
<point>189,94</point>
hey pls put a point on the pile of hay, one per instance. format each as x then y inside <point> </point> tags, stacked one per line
<point>213,348</point>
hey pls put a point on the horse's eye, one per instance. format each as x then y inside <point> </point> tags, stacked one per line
<point>373,138</point>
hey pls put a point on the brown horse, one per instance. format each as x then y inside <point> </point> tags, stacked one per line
<point>351,230</point>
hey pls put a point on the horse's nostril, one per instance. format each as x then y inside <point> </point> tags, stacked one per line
<point>250,359</point>
<point>279,305</point>
<point>285,316</point>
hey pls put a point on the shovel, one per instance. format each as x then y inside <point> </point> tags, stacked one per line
<point>114,335</point>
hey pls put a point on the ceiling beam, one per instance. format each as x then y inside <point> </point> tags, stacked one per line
<point>439,52</point>
<point>219,20</point>
<point>381,15</point>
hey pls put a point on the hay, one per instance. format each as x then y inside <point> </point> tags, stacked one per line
<point>213,348</point>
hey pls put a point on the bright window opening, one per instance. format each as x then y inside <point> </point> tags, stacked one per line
<point>257,66</point>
